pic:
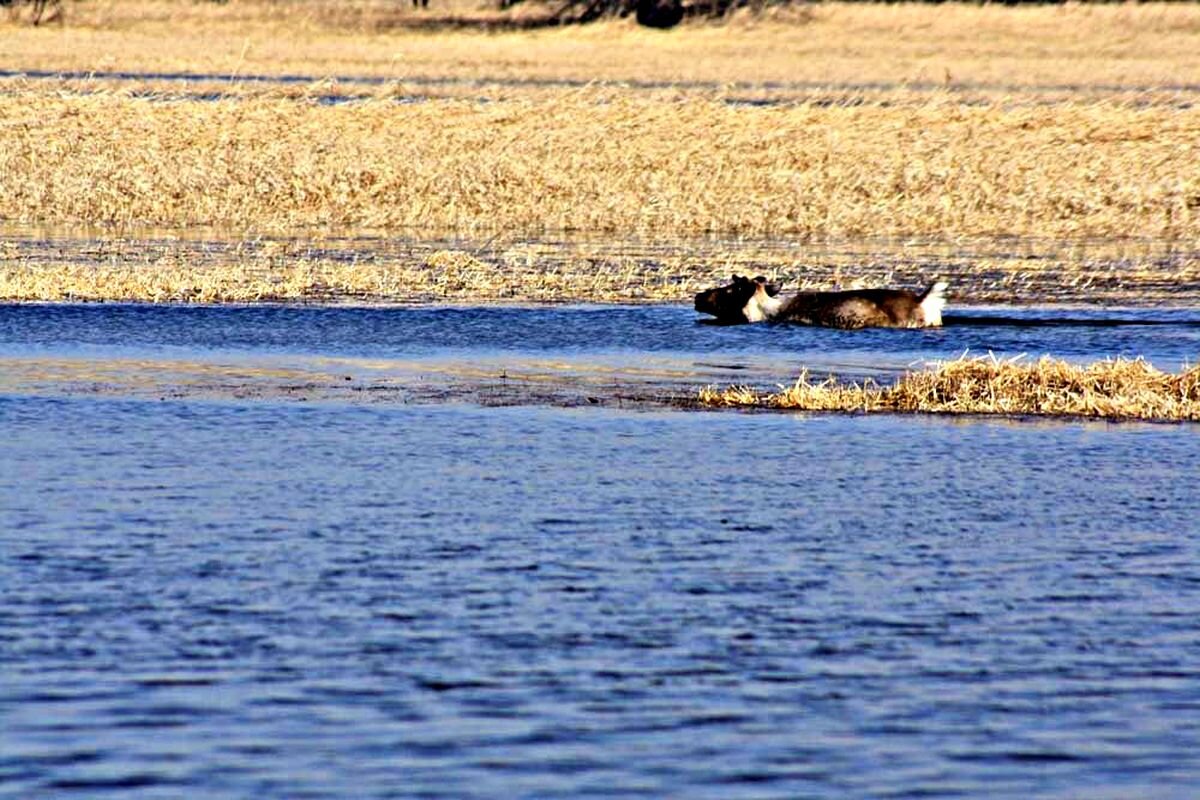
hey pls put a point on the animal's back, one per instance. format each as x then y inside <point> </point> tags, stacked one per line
<point>899,307</point>
<point>855,312</point>
<point>868,308</point>
<point>863,308</point>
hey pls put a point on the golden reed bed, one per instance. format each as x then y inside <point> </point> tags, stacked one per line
<point>604,161</point>
<point>958,123</point>
<point>1118,389</point>
<point>950,121</point>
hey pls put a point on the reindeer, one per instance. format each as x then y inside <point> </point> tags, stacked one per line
<point>756,300</point>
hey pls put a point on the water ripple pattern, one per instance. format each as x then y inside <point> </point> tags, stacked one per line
<point>218,600</point>
<point>560,355</point>
<point>215,594</point>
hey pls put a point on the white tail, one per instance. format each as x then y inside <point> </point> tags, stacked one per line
<point>933,302</point>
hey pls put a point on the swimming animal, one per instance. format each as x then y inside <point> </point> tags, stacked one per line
<point>757,300</point>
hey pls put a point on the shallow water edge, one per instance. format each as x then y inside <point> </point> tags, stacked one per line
<point>648,356</point>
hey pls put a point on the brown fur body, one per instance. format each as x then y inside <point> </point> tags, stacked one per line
<point>859,308</point>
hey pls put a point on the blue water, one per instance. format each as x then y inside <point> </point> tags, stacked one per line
<point>228,597</point>
<point>1167,337</point>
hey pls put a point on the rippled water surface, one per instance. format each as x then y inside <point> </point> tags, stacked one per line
<point>209,588</point>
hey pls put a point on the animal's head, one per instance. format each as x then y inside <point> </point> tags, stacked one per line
<point>736,302</point>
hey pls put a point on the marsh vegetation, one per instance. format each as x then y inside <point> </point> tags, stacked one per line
<point>696,132</point>
<point>1115,389</point>
<point>601,161</point>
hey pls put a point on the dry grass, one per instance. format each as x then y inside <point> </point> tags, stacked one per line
<point>445,276</point>
<point>954,122</point>
<point>1118,389</point>
<point>599,161</point>
<point>1117,44</point>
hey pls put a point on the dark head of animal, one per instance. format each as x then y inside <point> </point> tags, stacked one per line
<point>727,303</point>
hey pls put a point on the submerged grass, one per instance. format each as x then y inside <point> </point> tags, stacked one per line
<point>217,266</point>
<point>1116,389</point>
<point>448,276</point>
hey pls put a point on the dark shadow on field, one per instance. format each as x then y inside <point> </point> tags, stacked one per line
<point>1183,93</point>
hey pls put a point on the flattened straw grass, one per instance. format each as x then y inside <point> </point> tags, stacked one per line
<point>1113,389</point>
<point>600,161</point>
<point>447,276</point>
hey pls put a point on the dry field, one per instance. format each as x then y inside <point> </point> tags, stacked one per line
<point>601,161</point>
<point>1135,46</point>
<point>1119,389</point>
<point>989,126</point>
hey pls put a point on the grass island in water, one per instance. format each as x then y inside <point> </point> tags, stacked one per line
<point>1116,389</point>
